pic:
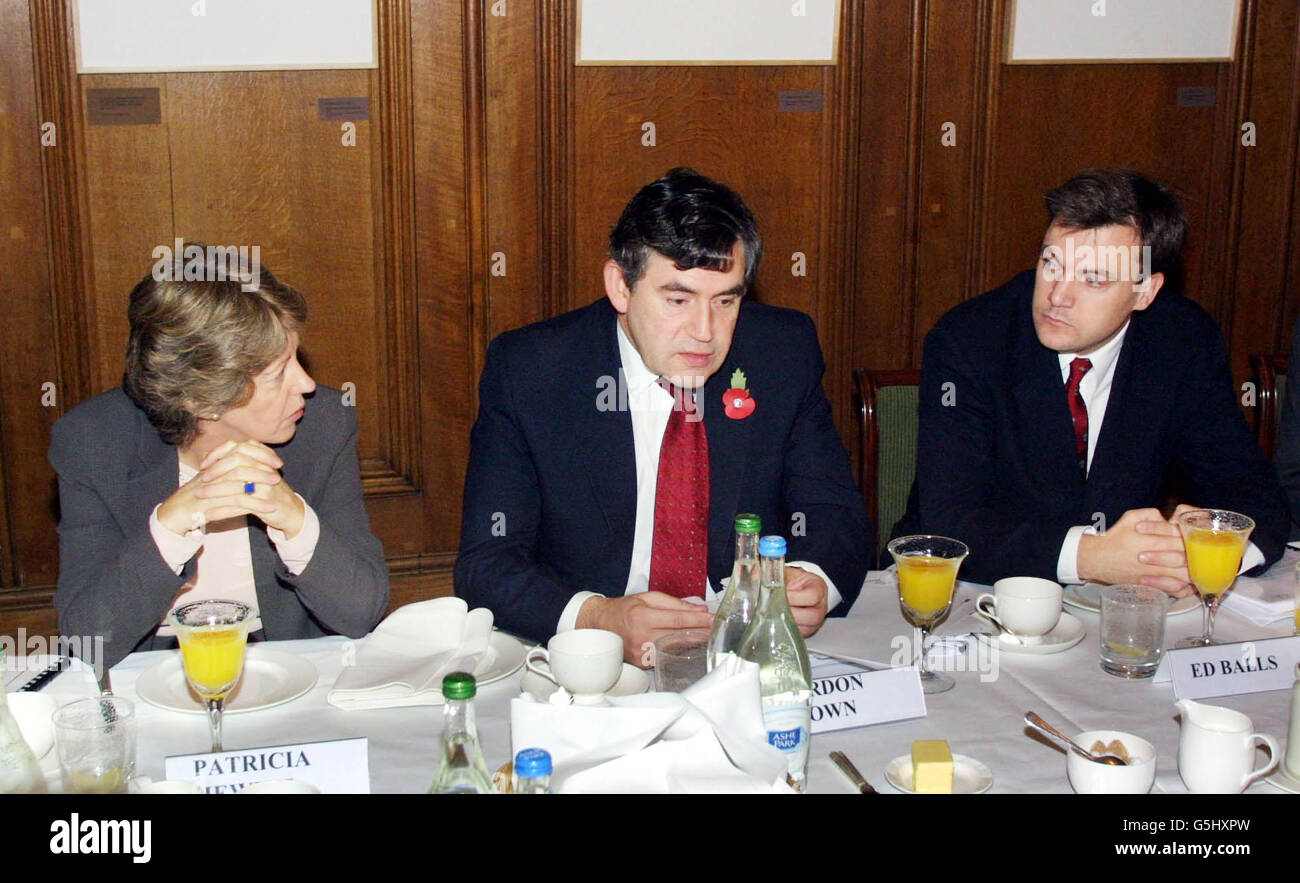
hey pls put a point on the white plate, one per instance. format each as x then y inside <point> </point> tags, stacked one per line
<point>632,681</point>
<point>969,776</point>
<point>505,656</point>
<point>1088,597</point>
<point>271,677</point>
<point>1068,632</point>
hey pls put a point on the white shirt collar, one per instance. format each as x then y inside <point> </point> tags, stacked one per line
<point>638,376</point>
<point>1102,358</point>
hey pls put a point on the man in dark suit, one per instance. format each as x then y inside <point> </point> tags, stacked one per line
<point>1052,408</point>
<point>606,464</point>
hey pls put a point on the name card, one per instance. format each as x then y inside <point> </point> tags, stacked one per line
<point>1231,669</point>
<point>341,766</point>
<point>858,698</point>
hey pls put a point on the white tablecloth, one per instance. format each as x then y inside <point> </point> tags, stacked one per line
<point>982,720</point>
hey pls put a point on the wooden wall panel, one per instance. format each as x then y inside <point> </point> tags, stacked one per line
<point>886,253</point>
<point>1254,287</point>
<point>485,138</point>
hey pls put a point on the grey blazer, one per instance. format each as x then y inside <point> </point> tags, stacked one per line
<point>114,468</point>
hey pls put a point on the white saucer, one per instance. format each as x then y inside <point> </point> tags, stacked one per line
<point>271,677</point>
<point>1279,778</point>
<point>969,776</point>
<point>1088,597</point>
<point>630,682</point>
<point>504,657</point>
<point>1068,632</point>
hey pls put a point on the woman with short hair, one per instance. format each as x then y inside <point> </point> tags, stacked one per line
<point>218,470</point>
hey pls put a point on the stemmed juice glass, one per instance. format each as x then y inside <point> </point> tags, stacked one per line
<point>927,574</point>
<point>212,635</point>
<point>1215,540</point>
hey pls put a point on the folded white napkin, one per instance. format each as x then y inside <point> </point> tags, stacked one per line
<point>1264,599</point>
<point>708,739</point>
<point>403,661</point>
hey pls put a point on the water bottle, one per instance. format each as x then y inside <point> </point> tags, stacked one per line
<point>533,771</point>
<point>741,598</point>
<point>461,769</point>
<point>784,674</point>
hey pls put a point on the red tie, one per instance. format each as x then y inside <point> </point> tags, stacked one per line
<point>680,555</point>
<point>1078,410</point>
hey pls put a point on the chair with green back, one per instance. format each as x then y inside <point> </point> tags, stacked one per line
<point>887,418</point>
<point>1270,391</point>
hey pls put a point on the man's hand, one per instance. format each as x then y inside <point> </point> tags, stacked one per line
<point>807,595</point>
<point>1142,548</point>
<point>644,617</point>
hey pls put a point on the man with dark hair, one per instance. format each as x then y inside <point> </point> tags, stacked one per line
<point>607,465</point>
<point>1052,409</point>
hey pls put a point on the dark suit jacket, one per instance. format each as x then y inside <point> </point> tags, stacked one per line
<point>997,467</point>
<point>114,468</point>
<point>554,471</point>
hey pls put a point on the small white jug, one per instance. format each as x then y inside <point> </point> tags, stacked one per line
<point>1216,749</point>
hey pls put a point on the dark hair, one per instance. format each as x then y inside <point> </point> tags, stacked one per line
<point>196,345</point>
<point>1102,197</point>
<point>692,220</point>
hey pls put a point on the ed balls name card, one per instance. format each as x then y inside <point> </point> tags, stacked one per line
<point>341,766</point>
<point>1231,669</point>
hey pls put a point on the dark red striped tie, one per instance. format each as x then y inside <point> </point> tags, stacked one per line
<point>1078,410</point>
<point>680,556</point>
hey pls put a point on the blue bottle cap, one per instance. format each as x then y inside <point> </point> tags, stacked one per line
<point>532,762</point>
<point>772,547</point>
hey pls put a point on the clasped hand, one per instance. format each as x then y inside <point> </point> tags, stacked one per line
<point>217,492</point>
<point>644,617</point>
<point>1142,548</point>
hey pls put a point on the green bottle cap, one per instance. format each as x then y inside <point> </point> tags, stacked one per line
<point>459,685</point>
<point>747,523</point>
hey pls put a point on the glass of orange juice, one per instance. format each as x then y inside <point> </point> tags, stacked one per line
<point>1215,540</point>
<point>927,574</point>
<point>212,635</point>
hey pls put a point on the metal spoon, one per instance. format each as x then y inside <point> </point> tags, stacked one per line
<point>1044,727</point>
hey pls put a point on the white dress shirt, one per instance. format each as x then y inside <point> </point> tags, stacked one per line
<point>225,559</point>
<point>1094,388</point>
<point>650,406</point>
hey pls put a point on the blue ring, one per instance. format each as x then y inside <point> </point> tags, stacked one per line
<point>249,487</point>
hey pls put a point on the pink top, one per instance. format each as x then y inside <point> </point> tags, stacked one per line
<point>224,558</point>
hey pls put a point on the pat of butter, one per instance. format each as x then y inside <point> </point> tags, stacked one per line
<point>931,767</point>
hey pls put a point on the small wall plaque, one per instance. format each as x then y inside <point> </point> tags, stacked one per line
<point>1197,96</point>
<point>123,107</point>
<point>802,100</point>
<point>343,109</point>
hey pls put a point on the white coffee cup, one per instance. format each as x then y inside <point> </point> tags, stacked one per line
<point>1090,777</point>
<point>586,662</point>
<point>1216,749</point>
<point>1026,606</point>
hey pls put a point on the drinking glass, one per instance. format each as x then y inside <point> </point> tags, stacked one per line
<point>681,659</point>
<point>1215,540</point>
<point>927,574</point>
<point>212,635</point>
<point>1132,630</point>
<point>96,741</point>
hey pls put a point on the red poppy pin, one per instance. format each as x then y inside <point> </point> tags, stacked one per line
<point>737,403</point>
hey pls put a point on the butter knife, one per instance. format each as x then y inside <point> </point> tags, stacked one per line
<point>851,772</point>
